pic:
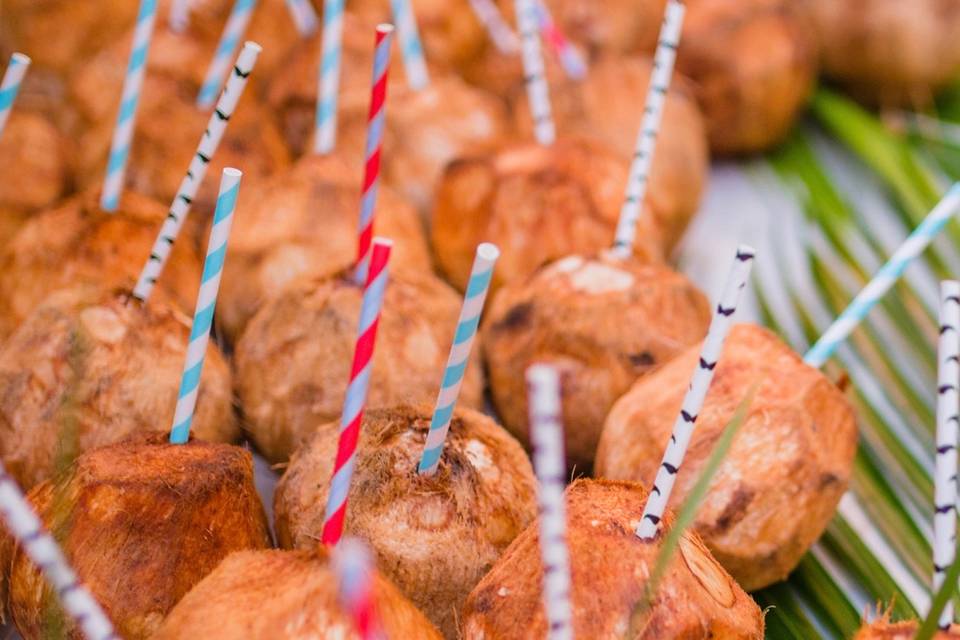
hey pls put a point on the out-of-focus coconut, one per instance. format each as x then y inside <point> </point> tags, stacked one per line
<point>434,536</point>
<point>303,223</point>
<point>780,483</point>
<point>88,368</point>
<point>77,244</point>
<point>261,595</point>
<point>293,360</point>
<point>602,322</point>
<point>141,521</point>
<point>33,162</point>
<point>885,629</point>
<point>610,566</point>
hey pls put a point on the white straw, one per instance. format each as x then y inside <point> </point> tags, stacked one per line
<point>535,77</point>
<point>503,37</point>
<point>304,16</point>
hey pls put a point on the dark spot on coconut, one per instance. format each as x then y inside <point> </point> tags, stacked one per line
<point>642,359</point>
<point>517,318</point>
<point>828,480</point>
<point>306,393</point>
<point>483,603</point>
<point>734,510</point>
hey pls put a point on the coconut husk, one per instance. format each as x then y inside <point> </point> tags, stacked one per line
<point>141,522</point>
<point>88,368</point>
<point>78,244</point>
<point>303,223</point>
<point>883,628</point>
<point>609,568</point>
<point>603,322</point>
<point>261,594</point>
<point>434,536</point>
<point>779,485</point>
<point>33,162</point>
<point>293,361</point>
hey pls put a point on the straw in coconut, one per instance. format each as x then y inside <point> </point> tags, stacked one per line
<point>410,46</point>
<point>354,570</point>
<point>569,56</point>
<point>303,16</point>
<point>229,39</point>
<point>325,138</point>
<point>10,85</point>
<point>503,37</point>
<point>534,75</point>
<point>179,16</point>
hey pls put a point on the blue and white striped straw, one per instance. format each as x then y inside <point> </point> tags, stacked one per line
<point>473,300</point>
<point>504,39</point>
<point>328,77</point>
<point>232,33</point>
<point>410,45</point>
<point>534,74</point>
<point>303,16</point>
<point>206,303</point>
<point>126,118</point>
<point>884,279</point>
<point>10,85</point>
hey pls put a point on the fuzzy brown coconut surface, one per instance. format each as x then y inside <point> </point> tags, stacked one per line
<point>88,368</point>
<point>141,522</point>
<point>33,161</point>
<point>884,629</point>
<point>602,322</point>
<point>609,568</point>
<point>293,361</point>
<point>434,536</point>
<point>303,223</point>
<point>780,483</point>
<point>77,243</point>
<point>261,595</point>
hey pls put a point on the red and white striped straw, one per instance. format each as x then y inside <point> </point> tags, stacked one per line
<point>354,569</point>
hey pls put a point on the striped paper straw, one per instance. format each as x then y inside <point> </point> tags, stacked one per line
<point>206,303</point>
<point>303,16</point>
<point>132,83</point>
<point>568,55</point>
<point>473,300</point>
<point>28,531</point>
<point>196,171</point>
<point>329,77</point>
<point>179,16</point>
<point>229,39</point>
<point>354,570</point>
<point>533,72</point>
<point>410,45</point>
<point>546,435</point>
<point>503,37</point>
<point>649,126</point>
<point>696,393</point>
<point>10,85</point>
<point>375,125</point>
<point>948,419</point>
<point>356,395</point>
<point>884,279</point>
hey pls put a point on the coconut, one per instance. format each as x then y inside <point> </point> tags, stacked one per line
<point>885,629</point>
<point>610,566</point>
<point>141,522</point>
<point>434,536</point>
<point>602,322</point>
<point>303,223</point>
<point>77,243</point>
<point>261,594</point>
<point>780,483</point>
<point>33,161</point>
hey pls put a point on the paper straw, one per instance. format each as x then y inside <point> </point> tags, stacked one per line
<point>356,395</point>
<point>179,16</point>
<point>28,531</point>
<point>948,419</point>
<point>229,39</point>
<point>10,85</point>
<point>206,303</point>
<point>546,435</point>
<point>126,118</point>
<point>568,55</point>
<point>503,37</point>
<point>696,393</point>
<point>473,299</point>
<point>884,279</point>
<point>196,171</point>
<point>375,125</point>
<point>303,16</point>
<point>328,79</point>
<point>410,46</point>
<point>354,570</point>
<point>538,92</point>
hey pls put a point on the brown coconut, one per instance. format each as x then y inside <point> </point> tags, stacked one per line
<point>33,162</point>
<point>609,568</point>
<point>76,243</point>
<point>434,536</point>
<point>141,521</point>
<point>602,322</point>
<point>292,363</point>
<point>779,485</point>
<point>303,223</point>
<point>883,628</point>
<point>88,368</point>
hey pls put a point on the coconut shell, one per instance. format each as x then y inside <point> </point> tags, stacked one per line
<point>603,322</point>
<point>141,522</point>
<point>779,485</point>
<point>77,244</point>
<point>885,629</point>
<point>434,536</point>
<point>33,162</point>
<point>293,361</point>
<point>609,568</point>
<point>303,223</point>
<point>261,594</point>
